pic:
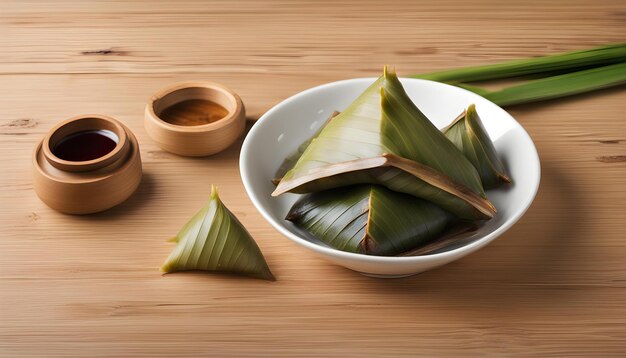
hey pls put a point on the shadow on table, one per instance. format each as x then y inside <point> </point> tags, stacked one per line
<point>531,264</point>
<point>139,200</point>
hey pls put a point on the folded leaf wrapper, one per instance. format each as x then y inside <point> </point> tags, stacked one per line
<point>214,240</point>
<point>469,136</point>
<point>383,138</point>
<point>369,219</point>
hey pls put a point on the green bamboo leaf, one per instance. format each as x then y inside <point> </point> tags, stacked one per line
<point>369,219</point>
<point>559,63</point>
<point>468,134</point>
<point>383,138</point>
<point>214,240</point>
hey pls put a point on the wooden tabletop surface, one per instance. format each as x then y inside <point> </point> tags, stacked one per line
<point>555,284</point>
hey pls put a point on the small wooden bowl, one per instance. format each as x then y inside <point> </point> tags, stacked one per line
<point>84,187</point>
<point>199,140</point>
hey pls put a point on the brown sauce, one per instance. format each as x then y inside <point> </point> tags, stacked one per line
<point>193,112</point>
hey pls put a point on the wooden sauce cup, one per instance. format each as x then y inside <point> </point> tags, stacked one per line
<point>88,186</point>
<point>195,140</point>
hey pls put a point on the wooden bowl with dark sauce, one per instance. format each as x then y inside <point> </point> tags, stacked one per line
<point>86,164</point>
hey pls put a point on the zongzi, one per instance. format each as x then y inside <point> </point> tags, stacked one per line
<point>214,240</point>
<point>369,219</point>
<point>468,135</point>
<point>383,138</point>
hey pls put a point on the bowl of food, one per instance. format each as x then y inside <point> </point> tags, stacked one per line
<point>389,177</point>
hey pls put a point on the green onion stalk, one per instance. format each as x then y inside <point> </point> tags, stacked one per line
<point>579,72</point>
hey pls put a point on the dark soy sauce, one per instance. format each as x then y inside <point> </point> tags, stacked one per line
<point>86,145</point>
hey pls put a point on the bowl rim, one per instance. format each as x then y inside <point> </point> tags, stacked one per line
<point>228,120</point>
<point>327,250</point>
<point>104,123</point>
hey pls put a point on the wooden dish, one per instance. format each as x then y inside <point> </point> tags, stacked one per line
<point>84,187</point>
<point>195,140</point>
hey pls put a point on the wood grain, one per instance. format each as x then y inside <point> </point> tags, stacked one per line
<point>555,284</point>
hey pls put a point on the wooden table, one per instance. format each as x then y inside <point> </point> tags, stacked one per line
<point>555,284</point>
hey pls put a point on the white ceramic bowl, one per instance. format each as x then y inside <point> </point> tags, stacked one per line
<point>283,128</point>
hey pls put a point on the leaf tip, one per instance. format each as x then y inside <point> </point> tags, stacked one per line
<point>471,110</point>
<point>214,192</point>
<point>292,215</point>
<point>269,276</point>
<point>279,190</point>
<point>166,267</point>
<point>505,178</point>
<point>491,208</point>
<point>389,72</point>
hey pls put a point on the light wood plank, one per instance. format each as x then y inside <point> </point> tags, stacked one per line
<point>555,284</point>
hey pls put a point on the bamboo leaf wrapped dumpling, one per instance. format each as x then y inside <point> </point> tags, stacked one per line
<point>383,138</point>
<point>469,136</point>
<point>369,219</point>
<point>214,240</point>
